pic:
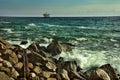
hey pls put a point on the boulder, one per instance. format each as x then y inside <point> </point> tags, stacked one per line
<point>110,71</point>
<point>3,76</point>
<point>14,73</point>
<point>5,45</point>
<point>1,60</point>
<point>54,48</point>
<point>102,74</point>
<point>23,42</point>
<point>47,74</point>
<point>19,65</point>
<point>6,70</point>
<point>30,65</point>
<point>51,79</point>
<point>65,75</point>
<point>7,63</point>
<point>32,75</point>
<point>34,47</point>
<point>10,56</point>
<point>97,74</point>
<point>57,47</point>
<point>51,66</point>
<point>1,64</point>
<point>37,70</point>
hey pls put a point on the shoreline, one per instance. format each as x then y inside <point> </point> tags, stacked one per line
<point>40,64</point>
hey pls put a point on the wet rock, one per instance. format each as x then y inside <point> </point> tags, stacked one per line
<point>34,47</point>
<point>54,48</point>
<point>102,74</point>
<point>3,76</point>
<point>23,42</point>
<point>110,71</point>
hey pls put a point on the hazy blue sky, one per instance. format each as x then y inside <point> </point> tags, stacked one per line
<point>59,7</point>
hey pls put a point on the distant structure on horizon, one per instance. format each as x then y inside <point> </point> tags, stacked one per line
<point>46,15</point>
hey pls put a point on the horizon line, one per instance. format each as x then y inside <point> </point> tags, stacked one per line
<point>63,16</point>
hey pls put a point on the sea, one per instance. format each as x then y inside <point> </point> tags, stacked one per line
<point>96,39</point>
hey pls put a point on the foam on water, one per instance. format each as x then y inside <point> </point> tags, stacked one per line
<point>9,30</point>
<point>87,58</point>
<point>32,24</point>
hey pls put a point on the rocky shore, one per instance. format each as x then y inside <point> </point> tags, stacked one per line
<point>37,63</point>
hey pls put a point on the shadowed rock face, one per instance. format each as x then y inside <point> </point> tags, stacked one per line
<point>56,48</point>
<point>41,66</point>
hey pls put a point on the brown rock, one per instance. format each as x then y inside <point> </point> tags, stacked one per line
<point>32,75</point>
<point>19,65</point>
<point>3,76</point>
<point>1,60</point>
<point>97,74</point>
<point>0,54</point>
<point>13,58</point>
<point>14,73</point>
<point>30,65</point>
<point>7,63</point>
<point>6,70</point>
<point>50,65</point>
<point>65,75</point>
<point>51,79</point>
<point>110,71</point>
<point>12,78</point>
<point>102,74</point>
<point>5,45</point>
<point>47,74</point>
<point>37,69</point>
<point>19,55</point>
<point>34,47</point>
<point>10,56</point>
<point>54,48</point>
<point>1,64</point>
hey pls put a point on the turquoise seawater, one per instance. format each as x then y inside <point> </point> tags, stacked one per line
<point>97,39</point>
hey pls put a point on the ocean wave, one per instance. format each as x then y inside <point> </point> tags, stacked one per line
<point>5,22</point>
<point>32,24</point>
<point>88,58</point>
<point>8,30</point>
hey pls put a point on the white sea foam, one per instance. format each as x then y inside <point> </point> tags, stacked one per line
<point>32,24</point>
<point>5,22</point>
<point>87,58</point>
<point>18,42</point>
<point>9,30</point>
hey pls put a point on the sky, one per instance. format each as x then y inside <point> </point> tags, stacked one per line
<point>58,8</point>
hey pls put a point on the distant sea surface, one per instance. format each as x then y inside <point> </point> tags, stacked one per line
<point>97,39</point>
